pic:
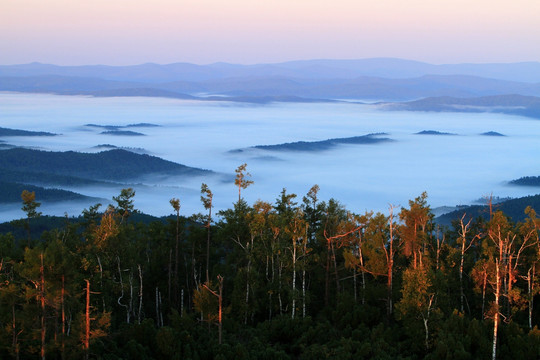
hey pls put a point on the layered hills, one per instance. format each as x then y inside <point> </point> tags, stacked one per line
<point>378,79</point>
<point>25,168</point>
<point>112,165</point>
<point>508,104</point>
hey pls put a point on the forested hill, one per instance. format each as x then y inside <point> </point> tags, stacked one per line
<point>294,279</point>
<point>16,132</point>
<point>10,192</point>
<point>112,165</point>
<point>513,208</point>
<point>508,104</point>
<point>322,145</point>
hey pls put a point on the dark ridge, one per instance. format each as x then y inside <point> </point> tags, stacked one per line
<point>16,132</point>
<point>134,92</point>
<point>108,127</point>
<point>10,192</point>
<point>110,147</point>
<point>118,127</point>
<point>526,181</point>
<point>514,208</point>
<point>326,144</point>
<point>122,133</point>
<point>50,223</point>
<point>513,104</point>
<point>492,133</point>
<point>105,146</point>
<point>46,178</point>
<point>267,99</point>
<point>142,125</point>
<point>433,132</point>
<point>112,165</point>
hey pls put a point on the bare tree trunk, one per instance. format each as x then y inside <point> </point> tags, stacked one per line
<point>496,315</point>
<point>390,262</point>
<point>131,311</point>
<point>304,278</point>
<point>220,278</point>
<point>208,244</point>
<point>304,293</point>
<point>293,310</point>
<point>363,275</point>
<point>122,290</point>
<point>176,258</point>
<point>158,325</point>
<point>101,281</point>
<point>530,282</point>
<point>462,295</point>
<point>426,320</point>
<point>484,285</point>
<point>220,302</point>
<point>464,247</point>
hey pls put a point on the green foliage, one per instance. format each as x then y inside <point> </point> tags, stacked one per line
<point>112,165</point>
<point>146,302</point>
<point>30,204</point>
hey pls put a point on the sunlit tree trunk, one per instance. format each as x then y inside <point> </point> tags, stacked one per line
<point>122,291</point>
<point>361,257</point>
<point>390,262</point>
<point>220,304</point>
<point>530,289</point>
<point>464,247</point>
<point>496,308</point>
<point>304,291</point>
<point>294,279</point>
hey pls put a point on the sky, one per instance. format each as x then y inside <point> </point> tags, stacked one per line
<point>128,32</point>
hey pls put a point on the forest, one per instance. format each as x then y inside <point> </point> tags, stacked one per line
<point>296,278</point>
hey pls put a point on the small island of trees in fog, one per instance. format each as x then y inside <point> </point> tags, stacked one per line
<point>297,278</point>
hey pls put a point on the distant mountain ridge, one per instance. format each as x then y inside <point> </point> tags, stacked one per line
<point>303,69</point>
<point>297,81</point>
<point>507,104</point>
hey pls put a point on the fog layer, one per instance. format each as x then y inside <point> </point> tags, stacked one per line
<point>453,170</point>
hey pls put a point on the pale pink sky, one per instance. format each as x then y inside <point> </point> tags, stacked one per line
<point>122,32</point>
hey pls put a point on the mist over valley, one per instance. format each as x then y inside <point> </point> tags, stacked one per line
<point>360,154</point>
